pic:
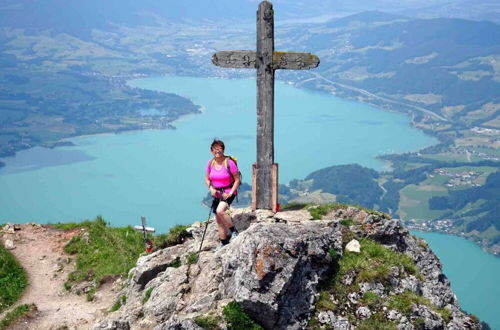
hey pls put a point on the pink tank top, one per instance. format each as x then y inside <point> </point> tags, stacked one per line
<point>220,177</point>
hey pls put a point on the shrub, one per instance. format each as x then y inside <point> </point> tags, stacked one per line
<point>237,319</point>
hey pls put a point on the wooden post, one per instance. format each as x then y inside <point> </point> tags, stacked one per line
<point>265,105</point>
<point>275,192</point>
<point>254,185</point>
<point>266,61</point>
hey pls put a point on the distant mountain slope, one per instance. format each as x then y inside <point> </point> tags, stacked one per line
<point>488,10</point>
<point>448,66</point>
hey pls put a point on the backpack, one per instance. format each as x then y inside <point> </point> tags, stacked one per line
<point>226,166</point>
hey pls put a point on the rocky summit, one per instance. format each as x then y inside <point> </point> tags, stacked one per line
<point>287,271</point>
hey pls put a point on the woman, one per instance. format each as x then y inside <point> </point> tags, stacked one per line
<point>222,178</point>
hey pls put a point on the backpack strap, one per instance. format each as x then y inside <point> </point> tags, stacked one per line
<point>226,165</point>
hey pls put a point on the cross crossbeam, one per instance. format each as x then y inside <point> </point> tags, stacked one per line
<point>266,61</point>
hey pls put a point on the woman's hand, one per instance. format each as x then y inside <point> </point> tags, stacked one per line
<point>213,191</point>
<point>226,195</point>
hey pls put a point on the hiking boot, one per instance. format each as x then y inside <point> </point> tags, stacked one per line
<point>223,242</point>
<point>234,234</point>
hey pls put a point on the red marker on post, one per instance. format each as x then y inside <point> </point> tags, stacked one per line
<point>144,229</point>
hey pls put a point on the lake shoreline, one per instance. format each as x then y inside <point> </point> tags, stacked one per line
<point>202,109</point>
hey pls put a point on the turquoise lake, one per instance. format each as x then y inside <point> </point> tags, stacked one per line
<point>159,174</point>
<point>472,272</point>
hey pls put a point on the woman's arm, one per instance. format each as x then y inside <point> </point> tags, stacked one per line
<point>236,184</point>
<point>212,190</point>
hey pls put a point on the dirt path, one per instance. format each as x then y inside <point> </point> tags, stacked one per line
<point>39,250</point>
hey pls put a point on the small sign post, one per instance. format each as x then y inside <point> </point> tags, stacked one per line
<point>145,230</point>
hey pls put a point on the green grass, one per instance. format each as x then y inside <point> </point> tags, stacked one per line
<point>237,319</point>
<point>13,279</point>
<point>16,314</point>
<point>414,203</point>
<point>110,250</point>
<point>324,302</point>
<point>374,262</point>
<point>208,322</point>
<point>293,206</point>
<point>319,211</point>
<point>107,251</point>
<point>346,222</point>
<point>376,322</point>
<point>403,302</point>
<point>176,235</point>
<point>147,295</point>
<point>122,300</point>
<point>192,258</point>
<point>372,265</point>
<point>371,299</point>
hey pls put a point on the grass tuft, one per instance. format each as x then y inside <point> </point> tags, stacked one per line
<point>371,299</point>
<point>208,322</point>
<point>176,235</point>
<point>122,300</point>
<point>347,222</point>
<point>374,262</point>
<point>13,279</point>
<point>376,321</point>
<point>147,295</point>
<point>192,258</point>
<point>325,302</point>
<point>237,319</point>
<point>16,314</point>
<point>293,206</point>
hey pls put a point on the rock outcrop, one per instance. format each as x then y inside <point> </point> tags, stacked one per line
<point>282,270</point>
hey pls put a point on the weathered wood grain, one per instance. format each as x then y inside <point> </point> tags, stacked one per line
<point>246,59</point>
<point>294,61</point>
<point>235,59</point>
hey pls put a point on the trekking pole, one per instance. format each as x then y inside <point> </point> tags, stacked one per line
<point>206,226</point>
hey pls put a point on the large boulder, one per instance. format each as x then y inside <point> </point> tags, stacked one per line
<point>274,269</point>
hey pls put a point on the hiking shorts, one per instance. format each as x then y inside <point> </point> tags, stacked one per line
<point>215,202</point>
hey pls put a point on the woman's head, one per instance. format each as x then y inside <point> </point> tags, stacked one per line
<point>217,144</point>
<point>217,148</point>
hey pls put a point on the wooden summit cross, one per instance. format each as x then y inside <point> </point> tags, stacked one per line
<point>266,61</point>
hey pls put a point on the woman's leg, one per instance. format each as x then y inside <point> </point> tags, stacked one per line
<point>223,220</point>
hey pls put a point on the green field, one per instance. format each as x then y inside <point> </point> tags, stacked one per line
<point>414,202</point>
